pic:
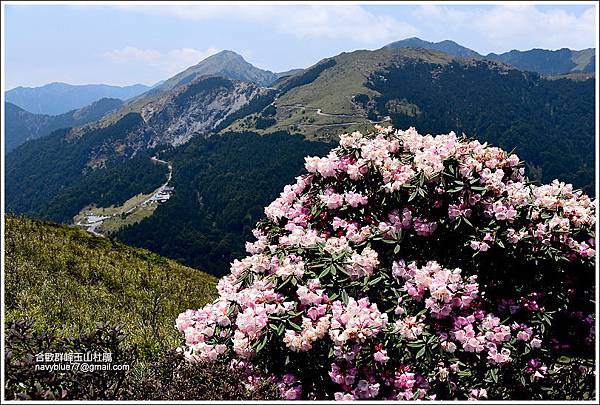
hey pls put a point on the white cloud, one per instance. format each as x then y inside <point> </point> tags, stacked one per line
<point>347,22</point>
<point>169,62</point>
<point>130,53</point>
<point>502,28</point>
<point>493,28</point>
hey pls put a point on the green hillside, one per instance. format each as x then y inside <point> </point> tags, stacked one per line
<point>68,280</point>
<point>550,123</point>
<point>222,185</point>
<point>320,102</point>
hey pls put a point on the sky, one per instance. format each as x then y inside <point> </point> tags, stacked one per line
<point>122,44</point>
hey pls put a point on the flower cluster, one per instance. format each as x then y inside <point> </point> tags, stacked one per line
<point>403,266</point>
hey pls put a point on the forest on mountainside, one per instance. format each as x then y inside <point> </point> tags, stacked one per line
<point>550,124</point>
<point>222,185</point>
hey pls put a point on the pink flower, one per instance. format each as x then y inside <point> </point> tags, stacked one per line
<point>363,264</point>
<point>340,396</point>
<point>316,312</point>
<point>322,278</point>
<point>478,393</point>
<point>355,199</point>
<point>381,356</point>
<point>423,227</point>
<point>333,200</point>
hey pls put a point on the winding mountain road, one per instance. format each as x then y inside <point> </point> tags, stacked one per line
<point>95,221</point>
<point>159,189</point>
<point>319,111</point>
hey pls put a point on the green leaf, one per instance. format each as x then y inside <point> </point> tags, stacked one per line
<point>341,268</point>
<point>295,326</point>
<point>494,374</point>
<point>375,281</point>
<point>262,344</point>
<point>325,272</point>
<point>344,297</point>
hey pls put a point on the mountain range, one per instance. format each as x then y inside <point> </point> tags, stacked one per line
<point>59,98</point>
<point>543,61</point>
<point>234,135</point>
<point>22,126</point>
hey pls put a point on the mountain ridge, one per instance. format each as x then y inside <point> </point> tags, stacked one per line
<point>22,125</point>
<point>228,64</point>
<point>58,98</point>
<point>543,61</point>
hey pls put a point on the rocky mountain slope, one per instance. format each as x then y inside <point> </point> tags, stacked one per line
<point>226,64</point>
<point>171,117</point>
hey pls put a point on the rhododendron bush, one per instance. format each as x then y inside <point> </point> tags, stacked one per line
<point>404,266</point>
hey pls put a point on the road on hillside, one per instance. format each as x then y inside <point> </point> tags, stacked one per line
<point>94,221</point>
<point>158,190</point>
<point>319,111</point>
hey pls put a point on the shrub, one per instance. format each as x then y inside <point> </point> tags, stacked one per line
<point>23,381</point>
<point>164,377</point>
<point>265,122</point>
<point>405,266</point>
<point>171,378</point>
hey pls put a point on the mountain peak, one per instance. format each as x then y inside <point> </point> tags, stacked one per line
<point>227,64</point>
<point>446,46</point>
<point>225,55</point>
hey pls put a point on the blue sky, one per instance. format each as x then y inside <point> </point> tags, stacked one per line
<point>126,44</point>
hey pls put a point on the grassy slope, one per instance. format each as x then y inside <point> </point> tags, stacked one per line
<point>67,279</point>
<point>333,89</point>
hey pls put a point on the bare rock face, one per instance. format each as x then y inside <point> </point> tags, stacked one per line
<point>173,117</point>
<point>195,109</point>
